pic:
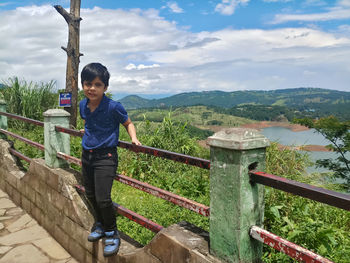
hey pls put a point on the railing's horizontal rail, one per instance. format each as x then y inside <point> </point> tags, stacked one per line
<point>299,253</point>
<point>175,199</point>
<point>14,135</point>
<point>69,158</point>
<point>39,123</point>
<point>143,221</point>
<point>69,131</point>
<point>154,227</point>
<point>20,155</point>
<point>319,194</point>
<point>182,158</point>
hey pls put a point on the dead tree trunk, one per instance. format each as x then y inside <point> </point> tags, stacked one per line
<point>73,20</point>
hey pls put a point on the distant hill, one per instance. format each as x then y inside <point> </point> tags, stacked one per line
<point>135,102</point>
<point>302,99</point>
<point>299,97</point>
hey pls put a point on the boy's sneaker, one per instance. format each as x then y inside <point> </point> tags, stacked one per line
<point>112,243</point>
<point>97,232</point>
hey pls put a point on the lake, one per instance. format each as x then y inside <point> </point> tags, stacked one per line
<point>288,137</point>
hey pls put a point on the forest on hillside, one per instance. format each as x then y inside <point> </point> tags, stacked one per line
<point>284,104</point>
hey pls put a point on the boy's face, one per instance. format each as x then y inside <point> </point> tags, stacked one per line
<point>94,89</point>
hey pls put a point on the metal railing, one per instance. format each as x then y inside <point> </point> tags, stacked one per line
<point>318,194</point>
<point>163,194</point>
<point>177,157</point>
<point>315,193</point>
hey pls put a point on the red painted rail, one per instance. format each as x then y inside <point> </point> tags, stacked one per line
<point>69,131</point>
<point>149,224</point>
<point>69,158</point>
<point>173,198</point>
<point>177,157</point>
<point>20,155</point>
<point>143,221</point>
<point>14,135</point>
<point>39,123</point>
<point>158,192</point>
<point>288,248</point>
<point>319,194</point>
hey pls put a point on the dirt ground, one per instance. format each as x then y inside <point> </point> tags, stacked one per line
<point>266,124</point>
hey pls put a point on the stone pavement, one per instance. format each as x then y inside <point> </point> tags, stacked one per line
<point>23,240</point>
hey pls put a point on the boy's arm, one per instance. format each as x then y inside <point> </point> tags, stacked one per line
<point>130,128</point>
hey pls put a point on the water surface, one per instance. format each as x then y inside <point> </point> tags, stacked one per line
<point>288,137</point>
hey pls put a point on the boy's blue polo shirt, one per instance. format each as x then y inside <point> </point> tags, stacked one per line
<point>102,125</point>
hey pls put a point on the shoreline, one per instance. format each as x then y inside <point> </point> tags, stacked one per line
<point>265,124</point>
<point>307,148</point>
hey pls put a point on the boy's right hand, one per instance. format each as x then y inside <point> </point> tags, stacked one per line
<point>82,130</point>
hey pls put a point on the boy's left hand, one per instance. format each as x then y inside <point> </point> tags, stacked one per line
<point>136,141</point>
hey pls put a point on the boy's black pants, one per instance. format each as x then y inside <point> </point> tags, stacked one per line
<point>99,170</point>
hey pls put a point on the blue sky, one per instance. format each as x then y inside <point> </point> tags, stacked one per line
<point>155,48</point>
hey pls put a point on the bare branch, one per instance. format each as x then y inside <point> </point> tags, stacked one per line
<point>64,13</point>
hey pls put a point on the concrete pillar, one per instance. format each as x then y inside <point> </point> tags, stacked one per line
<point>56,141</point>
<point>3,119</point>
<point>235,203</point>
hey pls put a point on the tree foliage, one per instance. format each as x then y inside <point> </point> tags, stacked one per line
<point>338,134</point>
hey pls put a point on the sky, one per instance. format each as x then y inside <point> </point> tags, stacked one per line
<point>159,48</point>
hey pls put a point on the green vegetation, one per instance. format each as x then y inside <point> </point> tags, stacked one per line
<point>338,134</point>
<point>28,99</point>
<point>194,115</point>
<point>260,112</point>
<point>315,226</point>
<point>309,102</point>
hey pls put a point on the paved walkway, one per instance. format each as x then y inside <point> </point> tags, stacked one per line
<point>23,240</point>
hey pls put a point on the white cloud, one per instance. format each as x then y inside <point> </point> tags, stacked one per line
<point>147,54</point>
<point>173,6</point>
<point>344,3</point>
<point>228,7</point>
<point>132,66</point>
<point>341,11</point>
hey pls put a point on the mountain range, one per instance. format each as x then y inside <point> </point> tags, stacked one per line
<point>298,98</point>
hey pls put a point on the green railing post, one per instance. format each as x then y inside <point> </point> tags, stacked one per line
<point>3,119</point>
<point>235,203</point>
<point>56,141</point>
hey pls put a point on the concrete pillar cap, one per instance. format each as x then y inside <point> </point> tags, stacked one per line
<point>238,139</point>
<point>56,113</point>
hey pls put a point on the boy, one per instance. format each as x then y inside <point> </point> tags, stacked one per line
<point>102,117</point>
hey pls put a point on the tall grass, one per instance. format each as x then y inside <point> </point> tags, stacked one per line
<point>29,99</point>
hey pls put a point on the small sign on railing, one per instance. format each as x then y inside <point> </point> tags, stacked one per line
<point>65,99</point>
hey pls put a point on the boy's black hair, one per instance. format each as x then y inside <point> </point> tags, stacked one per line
<point>93,70</point>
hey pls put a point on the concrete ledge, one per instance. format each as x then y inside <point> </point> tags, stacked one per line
<point>182,242</point>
